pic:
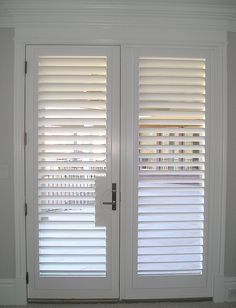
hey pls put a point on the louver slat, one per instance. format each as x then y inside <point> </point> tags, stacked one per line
<point>71,151</point>
<point>171,166</point>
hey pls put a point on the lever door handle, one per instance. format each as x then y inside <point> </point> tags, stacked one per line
<point>113,202</point>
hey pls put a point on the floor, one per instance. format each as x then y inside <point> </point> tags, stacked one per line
<point>200,304</point>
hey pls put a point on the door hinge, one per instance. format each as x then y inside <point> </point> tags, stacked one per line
<point>27,278</point>
<point>26,64</point>
<point>25,138</point>
<point>26,209</point>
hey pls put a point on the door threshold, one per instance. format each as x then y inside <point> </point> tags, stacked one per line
<point>117,300</point>
<point>73,300</point>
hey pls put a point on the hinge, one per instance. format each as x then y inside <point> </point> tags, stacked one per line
<point>26,63</point>
<point>27,278</point>
<point>25,138</point>
<point>26,209</point>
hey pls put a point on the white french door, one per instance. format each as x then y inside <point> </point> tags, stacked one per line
<point>72,171</point>
<point>76,245</point>
<point>165,176</point>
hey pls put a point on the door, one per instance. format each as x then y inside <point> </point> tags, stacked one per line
<point>72,171</point>
<point>166,179</point>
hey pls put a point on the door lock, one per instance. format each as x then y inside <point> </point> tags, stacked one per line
<point>113,202</point>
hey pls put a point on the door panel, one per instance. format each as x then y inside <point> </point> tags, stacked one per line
<point>72,120</point>
<point>165,178</point>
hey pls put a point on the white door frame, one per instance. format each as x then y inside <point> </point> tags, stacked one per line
<point>215,41</point>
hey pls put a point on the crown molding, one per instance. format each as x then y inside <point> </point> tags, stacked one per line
<point>196,14</point>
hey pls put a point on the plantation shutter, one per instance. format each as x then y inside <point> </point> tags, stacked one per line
<point>72,124</point>
<point>171,155</point>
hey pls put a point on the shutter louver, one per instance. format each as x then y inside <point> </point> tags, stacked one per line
<point>171,149</point>
<point>71,153</point>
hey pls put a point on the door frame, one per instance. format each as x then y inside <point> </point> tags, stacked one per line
<point>98,35</point>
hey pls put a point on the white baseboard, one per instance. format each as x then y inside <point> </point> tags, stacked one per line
<point>218,288</point>
<point>7,292</point>
<point>230,289</point>
<point>13,291</point>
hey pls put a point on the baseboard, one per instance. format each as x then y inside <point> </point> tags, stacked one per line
<point>13,291</point>
<point>7,292</point>
<point>230,289</point>
<point>218,288</point>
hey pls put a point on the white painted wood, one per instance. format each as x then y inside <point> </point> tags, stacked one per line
<point>209,14</point>
<point>119,34</point>
<point>8,288</point>
<point>218,195</point>
<point>230,289</point>
<point>19,173</point>
<point>170,213</point>
<point>81,286</point>
<point>219,289</point>
<point>201,286</point>
<point>7,292</point>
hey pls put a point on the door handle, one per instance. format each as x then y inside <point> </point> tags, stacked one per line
<point>113,202</point>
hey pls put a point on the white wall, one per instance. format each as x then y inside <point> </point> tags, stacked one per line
<point>7,261</point>
<point>7,250</point>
